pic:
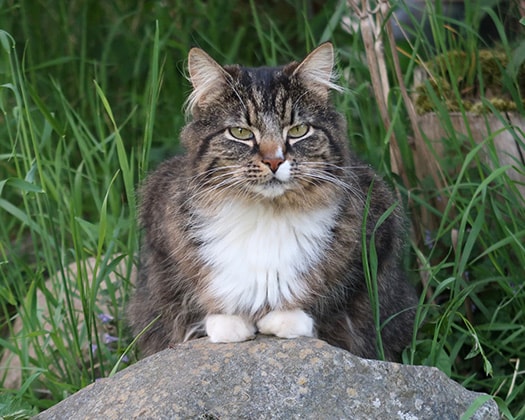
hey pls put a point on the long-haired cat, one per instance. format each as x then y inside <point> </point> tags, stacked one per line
<point>259,226</point>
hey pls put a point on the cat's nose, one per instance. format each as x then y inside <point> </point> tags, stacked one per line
<point>273,163</point>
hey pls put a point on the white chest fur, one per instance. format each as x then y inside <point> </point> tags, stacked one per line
<point>257,255</point>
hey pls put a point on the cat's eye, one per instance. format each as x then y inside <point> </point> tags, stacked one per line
<point>241,133</point>
<point>298,131</point>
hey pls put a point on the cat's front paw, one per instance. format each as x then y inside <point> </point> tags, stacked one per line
<point>287,324</point>
<point>229,328</point>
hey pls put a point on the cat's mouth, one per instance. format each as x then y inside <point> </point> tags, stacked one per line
<point>272,188</point>
<point>276,183</point>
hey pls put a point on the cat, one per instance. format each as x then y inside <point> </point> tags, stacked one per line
<point>258,227</point>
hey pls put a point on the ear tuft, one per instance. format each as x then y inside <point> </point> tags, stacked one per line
<point>316,70</point>
<point>206,76</point>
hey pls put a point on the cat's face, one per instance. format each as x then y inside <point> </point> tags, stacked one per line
<point>265,132</point>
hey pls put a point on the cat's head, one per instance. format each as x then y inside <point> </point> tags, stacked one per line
<point>268,132</point>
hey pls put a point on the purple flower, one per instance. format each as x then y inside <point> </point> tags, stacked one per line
<point>94,348</point>
<point>108,339</point>
<point>429,242</point>
<point>105,318</point>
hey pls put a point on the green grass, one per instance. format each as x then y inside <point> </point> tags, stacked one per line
<point>89,108</point>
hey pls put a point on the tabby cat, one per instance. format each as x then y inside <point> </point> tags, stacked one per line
<point>258,227</point>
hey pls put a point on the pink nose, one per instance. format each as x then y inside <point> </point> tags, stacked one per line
<point>273,163</point>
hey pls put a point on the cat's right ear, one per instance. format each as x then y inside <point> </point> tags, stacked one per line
<point>207,77</point>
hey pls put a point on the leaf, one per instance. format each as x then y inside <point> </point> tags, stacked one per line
<point>474,406</point>
<point>21,185</point>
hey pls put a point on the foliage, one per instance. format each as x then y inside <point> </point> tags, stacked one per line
<point>13,409</point>
<point>88,108</point>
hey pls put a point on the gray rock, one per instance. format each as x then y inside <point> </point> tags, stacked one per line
<point>270,378</point>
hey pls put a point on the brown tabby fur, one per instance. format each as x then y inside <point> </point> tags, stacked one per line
<point>178,198</point>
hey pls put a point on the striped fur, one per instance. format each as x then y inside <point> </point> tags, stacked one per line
<point>259,225</point>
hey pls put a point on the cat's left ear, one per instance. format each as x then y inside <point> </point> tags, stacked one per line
<point>316,70</point>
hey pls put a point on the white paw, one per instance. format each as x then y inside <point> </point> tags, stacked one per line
<point>229,329</point>
<point>287,324</point>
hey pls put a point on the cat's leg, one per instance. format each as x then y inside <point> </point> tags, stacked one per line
<point>229,328</point>
<point>287,324</point>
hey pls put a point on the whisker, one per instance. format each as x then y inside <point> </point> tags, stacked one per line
<point>206,193</point>
<point>317,172</point>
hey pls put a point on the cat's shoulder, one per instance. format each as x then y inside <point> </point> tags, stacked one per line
<point>168,172</point>
<point>172,167</point>
<point>365,175</point>
<point>169,176</point>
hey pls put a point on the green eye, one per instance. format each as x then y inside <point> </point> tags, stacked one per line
<point>241,133</point>
<point>298,131</point>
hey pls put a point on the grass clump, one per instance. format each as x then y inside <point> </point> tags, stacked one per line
<point>90,107</point>
<point>13,409</point>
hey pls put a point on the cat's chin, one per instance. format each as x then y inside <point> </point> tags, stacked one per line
<point>272,189</point>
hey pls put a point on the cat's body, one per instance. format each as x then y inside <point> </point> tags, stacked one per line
<point>258,227</point>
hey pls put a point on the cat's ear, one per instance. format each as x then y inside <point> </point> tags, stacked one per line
<point>316,70</point>
<point>207,77</point>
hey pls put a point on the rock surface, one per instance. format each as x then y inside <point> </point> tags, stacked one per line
<point>270,378</point>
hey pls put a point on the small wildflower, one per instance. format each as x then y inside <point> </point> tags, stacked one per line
<point>94,348</point>
<point>108,339</point>
<point>125,359</point>
<point>105,318</point>
<point>429,242</point>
